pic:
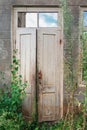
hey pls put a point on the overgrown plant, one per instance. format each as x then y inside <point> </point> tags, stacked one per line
<point>11,101</point>
<point>69,77</point>
<point>71,74</point>
<point>84,75</point>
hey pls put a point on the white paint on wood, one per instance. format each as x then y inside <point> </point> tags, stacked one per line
<point>26,45</point>
<point>49,56</point>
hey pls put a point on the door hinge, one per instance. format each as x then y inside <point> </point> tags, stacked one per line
<point>15,44</point>
<point>60,41</point>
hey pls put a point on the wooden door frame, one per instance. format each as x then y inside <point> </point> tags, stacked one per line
<point>14,27</point>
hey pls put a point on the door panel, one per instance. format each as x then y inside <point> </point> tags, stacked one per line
<point>26,45</point>
<point>49,63</point>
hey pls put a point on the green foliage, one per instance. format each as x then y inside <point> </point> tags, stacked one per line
<point>11,101</point>
<point>12,98</point>
<point>84,46</point>
<point>84,75</point>
<point>67,19</point>
<point>69,72</point>
<point>12,121</point>
<point>72,121</point>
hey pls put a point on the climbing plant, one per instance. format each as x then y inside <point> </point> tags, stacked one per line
<point>11,100</point>
<point>71,75</point>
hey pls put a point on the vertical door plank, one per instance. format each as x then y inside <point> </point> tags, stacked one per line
<point>49,74</point>
<point>26,45</point>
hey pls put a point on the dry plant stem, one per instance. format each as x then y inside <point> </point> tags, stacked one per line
<point>69,118</point>
<point>66,117</point>
<point>84,120</point>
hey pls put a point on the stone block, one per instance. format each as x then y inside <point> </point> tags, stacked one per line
<point>5,34</point>
<point>6,2</point>
<point>37,2</point>
<point>5,22</point>
<point>5,50</point>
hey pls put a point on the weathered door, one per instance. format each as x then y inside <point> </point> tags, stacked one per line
<point>26,45</point>
<point>48,50</point>
<point>49,57</point>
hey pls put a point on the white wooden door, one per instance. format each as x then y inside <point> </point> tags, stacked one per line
<point>50,74</point>
<point>26,45</point>
<point>49,71</point>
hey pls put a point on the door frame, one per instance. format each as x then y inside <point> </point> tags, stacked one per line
<point>14,14</point>
<point>14,27</point>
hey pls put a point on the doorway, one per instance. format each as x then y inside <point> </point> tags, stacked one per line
<point>38,39</point>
